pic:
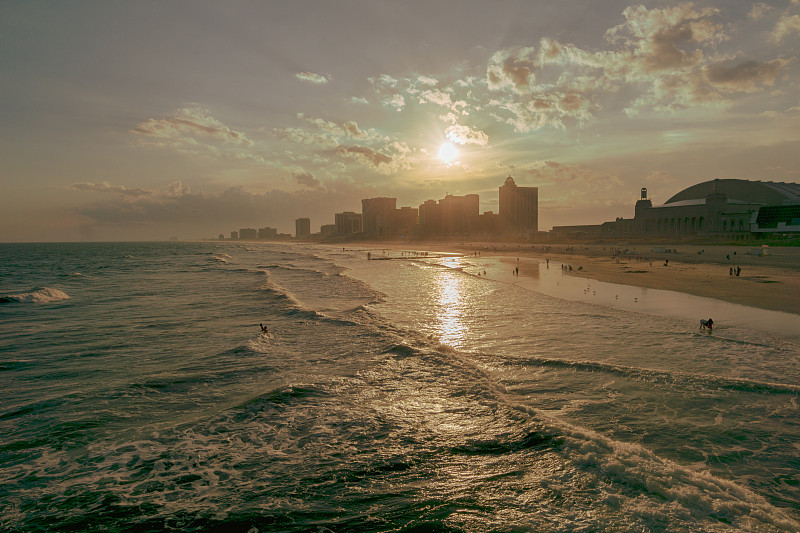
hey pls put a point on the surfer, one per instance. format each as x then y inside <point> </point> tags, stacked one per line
<point>264,329</point>
<point>709,324</point>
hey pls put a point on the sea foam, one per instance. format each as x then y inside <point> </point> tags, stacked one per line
<point>38,295</point>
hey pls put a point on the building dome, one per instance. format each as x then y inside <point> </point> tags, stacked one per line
<point>741,191</point>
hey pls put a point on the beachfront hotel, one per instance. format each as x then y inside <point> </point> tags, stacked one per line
<point>519,207</point>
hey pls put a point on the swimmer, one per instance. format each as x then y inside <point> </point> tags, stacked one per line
<point>264,329</point>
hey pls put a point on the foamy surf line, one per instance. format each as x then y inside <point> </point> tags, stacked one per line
<point>41,295</point>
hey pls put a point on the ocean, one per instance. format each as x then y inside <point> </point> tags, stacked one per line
<point>421,392</point>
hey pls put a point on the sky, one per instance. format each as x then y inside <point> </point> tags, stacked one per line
<point>153,120</point>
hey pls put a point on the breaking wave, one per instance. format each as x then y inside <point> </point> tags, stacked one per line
<point>38,295</point>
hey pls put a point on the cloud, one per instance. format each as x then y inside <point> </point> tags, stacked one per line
<point>745,76</point>
<point>658,60</point>
<point>427,80</point>
<point>348,129</point>
<point>389,159</point>
<point>465,135</point>
<point>300,136</point>
<point>441,98</point>
<point>396,101</point>
<point>512,69</point>
<point>669,38</point>
<point>544,110</point>
<point>188,126</point>
<point>759,11</point>
<point>785,27</point>
<point>105,187</point>
<point>307,179</point>
<point>310,77</point>
<point>359,100</point>
<point>367,155</point>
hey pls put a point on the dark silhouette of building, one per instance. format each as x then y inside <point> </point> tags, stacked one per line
<point>248,234</point>
<point>267,234</point>
<point>519,207</point>
<point>405,221</point>
<point>302,228</point>
<point>347,223</point>
<point>453,215</point>
<point>377,215</point>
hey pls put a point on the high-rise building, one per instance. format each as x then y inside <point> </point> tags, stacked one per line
<point>377,215</point>
<point>431,220</point>
<point>519,207</point>
<point>267,234</point>
<point>450,216</point>
<point>347,223</point>
<point>302,227</point>
<point>405,220</point>
<point>460,213</point>
<point>248,234</point>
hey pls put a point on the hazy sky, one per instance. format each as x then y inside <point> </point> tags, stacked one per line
<point>145,120</point>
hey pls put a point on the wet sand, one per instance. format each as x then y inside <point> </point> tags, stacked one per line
<point>770,281</point>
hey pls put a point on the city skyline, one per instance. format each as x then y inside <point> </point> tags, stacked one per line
<point>380,217</point>
<point>135,121</point>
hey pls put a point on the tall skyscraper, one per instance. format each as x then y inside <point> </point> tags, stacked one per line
<point>519,207</point>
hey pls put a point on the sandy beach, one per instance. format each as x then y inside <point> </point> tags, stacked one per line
<point>768,278</point>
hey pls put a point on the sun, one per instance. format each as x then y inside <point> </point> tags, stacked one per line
<point>448,153</point>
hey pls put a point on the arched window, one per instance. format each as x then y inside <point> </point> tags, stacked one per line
<point>700,223</point>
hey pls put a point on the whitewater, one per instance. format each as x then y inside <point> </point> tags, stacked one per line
<point>424,392</point>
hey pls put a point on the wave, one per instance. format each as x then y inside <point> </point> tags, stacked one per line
<point>37,295</point>
<point>661,376</point>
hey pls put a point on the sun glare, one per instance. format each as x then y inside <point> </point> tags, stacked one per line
<point>448,152</point>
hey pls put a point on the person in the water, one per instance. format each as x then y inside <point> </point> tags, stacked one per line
<point>264,328</point>
<point>707,324</point>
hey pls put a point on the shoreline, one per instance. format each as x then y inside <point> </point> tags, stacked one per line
<point>770,281</point>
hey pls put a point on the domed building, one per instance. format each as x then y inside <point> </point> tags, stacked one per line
<point>725,208</point>
<point>721,208</point>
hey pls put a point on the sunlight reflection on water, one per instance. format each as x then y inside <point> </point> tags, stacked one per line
<point>452,329</point>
